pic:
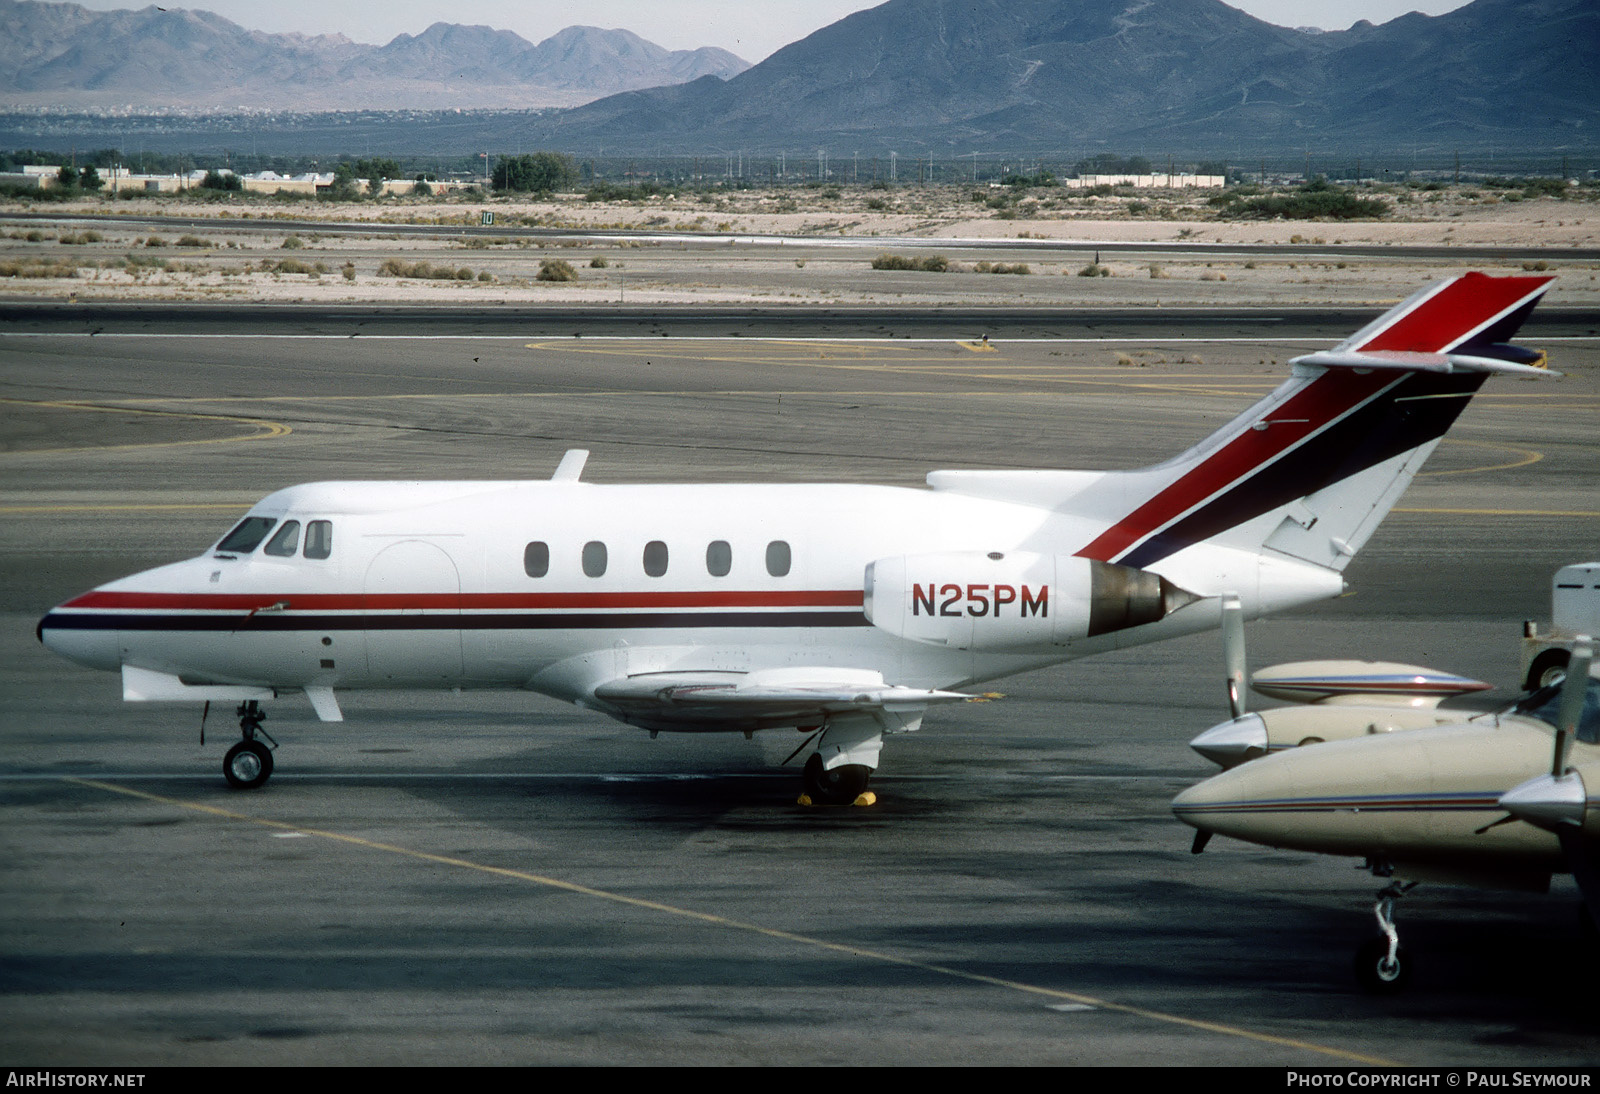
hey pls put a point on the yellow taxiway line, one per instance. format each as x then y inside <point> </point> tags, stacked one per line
<point>752,928</point>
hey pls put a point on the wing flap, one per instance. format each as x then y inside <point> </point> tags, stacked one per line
<point>778,697</point>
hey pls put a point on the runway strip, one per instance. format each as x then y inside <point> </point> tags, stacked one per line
<point>723,239</point>
<point>752,928</point>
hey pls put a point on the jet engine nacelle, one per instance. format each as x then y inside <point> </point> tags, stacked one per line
<point>1012,600</point>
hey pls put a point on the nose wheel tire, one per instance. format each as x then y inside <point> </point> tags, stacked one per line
<point>1377,972</point>
<point>247,765</point>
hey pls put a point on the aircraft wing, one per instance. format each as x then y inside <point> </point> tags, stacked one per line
<point>761,700</point>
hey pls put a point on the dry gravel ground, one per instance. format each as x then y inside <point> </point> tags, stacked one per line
<point>823,256</point>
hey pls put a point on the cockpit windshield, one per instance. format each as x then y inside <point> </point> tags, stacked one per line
<point>246,535</point>
<point>1545,705</point>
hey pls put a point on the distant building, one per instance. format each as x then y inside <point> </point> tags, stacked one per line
<point>1153,181</point>
<point>116,180</point>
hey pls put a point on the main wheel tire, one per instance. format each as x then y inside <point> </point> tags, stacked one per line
<point>838,785</point>
<point>247,765</point>
<point>1547,668</point>
<point>1376,974</point>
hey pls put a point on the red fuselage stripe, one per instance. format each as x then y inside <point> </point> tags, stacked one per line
<point>818,598</point>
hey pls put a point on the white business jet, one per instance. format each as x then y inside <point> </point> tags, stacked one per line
<point>844,611</point>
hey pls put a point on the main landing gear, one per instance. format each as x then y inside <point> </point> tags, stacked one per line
<point>1382,965</point>
<point>847,754</point>
<point>844,784</point>
<point>248,764</point>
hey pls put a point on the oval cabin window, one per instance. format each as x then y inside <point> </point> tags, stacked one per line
<point>778,559</point>
<point>594,558</point>
<point>719,558</point>
<point>536,559</point>
<point>655,558</point>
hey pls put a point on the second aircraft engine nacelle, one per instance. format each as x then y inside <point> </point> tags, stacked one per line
<point>1012,600</point>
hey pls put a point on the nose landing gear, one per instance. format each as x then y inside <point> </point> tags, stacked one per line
<point>1382,965</point>
<point>248,764</point>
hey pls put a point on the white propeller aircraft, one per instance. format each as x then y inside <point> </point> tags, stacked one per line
<point>842,610</point>
<point>1462,803</point>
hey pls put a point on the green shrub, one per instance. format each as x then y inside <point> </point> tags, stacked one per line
<point>1094,270</point>
<point>556,269</point>
<point>1315,201</point>
<point>925,264</point>
<point>291,243</point>
<point>394,267</point>
<point>28,267</point>
<point>192,241</point>
<point>598,262</point>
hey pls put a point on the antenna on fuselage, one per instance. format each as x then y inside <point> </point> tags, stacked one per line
<point>571,465</point>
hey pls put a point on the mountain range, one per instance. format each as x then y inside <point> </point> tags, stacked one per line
<point>955,76</point>
<point>1059,78</point>
<point>66,57</point>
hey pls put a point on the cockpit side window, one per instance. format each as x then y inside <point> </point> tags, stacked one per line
<point>1589,720</point>
<point>285,542</point>
<point>246,535</point>
<point>1545,705</point>
<point>319,539</point>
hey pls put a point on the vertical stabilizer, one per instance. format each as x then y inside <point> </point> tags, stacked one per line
<point>1313,468</point>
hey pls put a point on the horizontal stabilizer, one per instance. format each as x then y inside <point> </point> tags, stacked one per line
<point>1423,362</point>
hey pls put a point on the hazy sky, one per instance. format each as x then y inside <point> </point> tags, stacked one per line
<point>751,28</point>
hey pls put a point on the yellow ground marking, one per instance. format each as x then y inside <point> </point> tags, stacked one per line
<point>128,508</point>
<point>751,928</point>
<point>794,393</point>
<point>1507,512</point>
<point>264,429</point>
<point>1525,456</point>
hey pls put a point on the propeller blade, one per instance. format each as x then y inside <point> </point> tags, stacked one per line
<point>1233,651</point>
<point>1572,694</point>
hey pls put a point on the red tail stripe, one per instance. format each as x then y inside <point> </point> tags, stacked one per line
<point>1444,319</point>
<point>1309,410</point>
<point>807,598</point>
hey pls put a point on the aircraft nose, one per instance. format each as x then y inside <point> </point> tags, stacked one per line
<point>1198,805</point>
<point>1246,803</point>
<point>1233,742</point>
<point>80,638</point>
